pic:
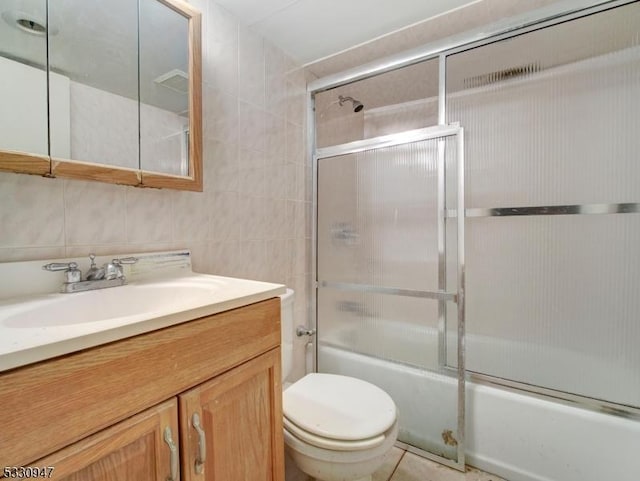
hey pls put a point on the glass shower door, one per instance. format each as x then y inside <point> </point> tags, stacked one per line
<point>552,207</point>
<point>381,277</point>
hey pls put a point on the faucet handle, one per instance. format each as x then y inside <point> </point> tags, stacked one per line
<point>71,271</point>
<point>60,266</point>
<point>114,269</point>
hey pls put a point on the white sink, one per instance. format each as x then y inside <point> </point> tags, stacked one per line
<point>42,326</point>
<point>110,304</point>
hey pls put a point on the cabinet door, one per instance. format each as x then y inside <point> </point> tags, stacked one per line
<point>132,450</point>
<point>240,415</point>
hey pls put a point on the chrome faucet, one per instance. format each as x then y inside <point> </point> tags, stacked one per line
<point>94,273</point>
<point>109,275</point>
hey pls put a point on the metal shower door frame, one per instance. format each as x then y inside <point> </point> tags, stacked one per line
<point>439,133</point>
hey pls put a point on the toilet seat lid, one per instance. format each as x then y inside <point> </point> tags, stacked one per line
<point>331,444</point>
<point>339,407</point>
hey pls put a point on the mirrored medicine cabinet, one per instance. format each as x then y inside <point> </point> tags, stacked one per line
<point>108,90</point>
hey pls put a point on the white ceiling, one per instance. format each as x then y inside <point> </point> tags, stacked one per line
<point>309,30</point>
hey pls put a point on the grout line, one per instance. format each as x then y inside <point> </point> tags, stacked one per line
<point>272,13</point>
<point>396,466</point>
<point>65,243</point>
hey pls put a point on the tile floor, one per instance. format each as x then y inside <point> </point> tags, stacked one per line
<point>404,466</point>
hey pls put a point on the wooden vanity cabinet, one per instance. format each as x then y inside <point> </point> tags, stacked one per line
<point>134,449</point>
<point>102,413</point>
<point>241,420</point>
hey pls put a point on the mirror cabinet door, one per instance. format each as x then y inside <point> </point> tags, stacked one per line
<point>109,91</point>
<point>170,111</point>
<point>24,131</point>
<point>95,46</point>
<point>164,89</point>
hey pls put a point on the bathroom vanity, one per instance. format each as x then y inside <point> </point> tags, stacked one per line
<point>196,399</point>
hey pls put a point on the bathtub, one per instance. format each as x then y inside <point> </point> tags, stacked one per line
<point>517,436</point>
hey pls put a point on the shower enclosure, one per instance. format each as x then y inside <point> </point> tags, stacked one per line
<point>381,266</point>
<point>498,263</point>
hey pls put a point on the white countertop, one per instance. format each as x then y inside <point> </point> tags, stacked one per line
<point>43,326</point>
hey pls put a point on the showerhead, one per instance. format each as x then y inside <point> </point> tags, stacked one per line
<point>357,105</point>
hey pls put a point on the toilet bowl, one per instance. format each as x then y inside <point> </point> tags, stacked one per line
<point>336,428</point>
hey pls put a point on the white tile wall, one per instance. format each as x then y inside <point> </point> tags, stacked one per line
<point>94,213</point>
<point>31,212</point>
<point>251,219</point>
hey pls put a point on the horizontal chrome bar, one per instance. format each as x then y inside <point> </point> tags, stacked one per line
<point>584,402</point>
<point>394,291</point>
<point>624,208</point>
<point>417,135</point>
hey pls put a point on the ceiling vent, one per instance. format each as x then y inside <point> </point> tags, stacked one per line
<point>501,75</point>
<point>176,80</point>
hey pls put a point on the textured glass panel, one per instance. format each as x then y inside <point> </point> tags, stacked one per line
<point>553,301</point>
<point>378,226</point>
<point>551,117</point>
<point>389,341</point>
<point>395,328</point>
<point>377,217</point>
<point>396,101</point>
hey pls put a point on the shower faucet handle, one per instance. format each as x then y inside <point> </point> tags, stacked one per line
<point>303,331</point>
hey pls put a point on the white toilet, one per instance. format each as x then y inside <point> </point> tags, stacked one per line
<point>336,428</point>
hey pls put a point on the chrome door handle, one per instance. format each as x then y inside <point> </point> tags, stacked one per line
<point>303,331</point>
<point>202,443</point>
<point>175,463</point>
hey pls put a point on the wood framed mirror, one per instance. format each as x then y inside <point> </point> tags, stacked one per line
<point>170,95</point>
<point>104,91</point>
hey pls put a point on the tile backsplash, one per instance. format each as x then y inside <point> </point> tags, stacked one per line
<point>252,218</point>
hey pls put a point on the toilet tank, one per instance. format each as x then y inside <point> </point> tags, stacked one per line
<point>286,332</point>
